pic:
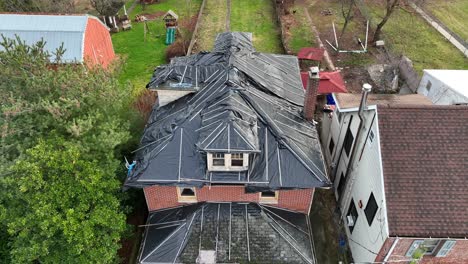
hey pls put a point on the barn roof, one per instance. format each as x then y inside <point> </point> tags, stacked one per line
<point>245,102</point>
<point>53,29</point>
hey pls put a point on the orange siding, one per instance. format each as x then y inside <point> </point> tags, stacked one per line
<point>98,44</point>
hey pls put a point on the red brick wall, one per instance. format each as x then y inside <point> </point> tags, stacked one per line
<point>159,197</point>
<point>98,47</point>
<point>458,254</point>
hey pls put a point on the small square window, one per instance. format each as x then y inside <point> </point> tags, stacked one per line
<point>341,184</point>
<point>371,209</point>
<point>352,216</point>
<point>218,159</point>
<point>269,197</point>
<point>349,138</point>
<point>428,86</point>
<point>237,159</point>
<point>186,195</point>
<point>331,146</point>
<point>371,136</point>
<point>190,192</point>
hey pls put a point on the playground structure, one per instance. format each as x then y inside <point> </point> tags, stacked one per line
<point>170,18</point>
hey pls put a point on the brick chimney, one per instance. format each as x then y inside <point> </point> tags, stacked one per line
<point>310,97</point>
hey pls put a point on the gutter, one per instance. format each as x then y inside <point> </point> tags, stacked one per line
<point>366,88</point>
<point>391,249</point>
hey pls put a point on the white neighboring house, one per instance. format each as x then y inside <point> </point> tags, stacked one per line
<point>445,87</point>
<point>393,166</point>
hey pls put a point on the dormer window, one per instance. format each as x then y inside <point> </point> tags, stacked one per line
<point>218,159</point>
<point>228,162</point>
<point>237,160</point>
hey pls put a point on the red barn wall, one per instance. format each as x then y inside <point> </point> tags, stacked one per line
<point>458,254</point>
<point>98,47</point>
<point>159,197</point>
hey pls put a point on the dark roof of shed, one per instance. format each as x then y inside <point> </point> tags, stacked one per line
<point>245,102</point>
<point>425,158</point>
<point>236,232</point>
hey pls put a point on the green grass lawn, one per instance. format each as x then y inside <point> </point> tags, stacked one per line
<point>142,57</point>
<point>213,22</point>
<point>258,17</point>
<point>301,33</point>
<point>454,14</point>
<point>409,34</point>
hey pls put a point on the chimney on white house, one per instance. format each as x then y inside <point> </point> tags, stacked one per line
<point>310,98</point>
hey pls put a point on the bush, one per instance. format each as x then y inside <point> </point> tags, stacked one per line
<point>177,49</point>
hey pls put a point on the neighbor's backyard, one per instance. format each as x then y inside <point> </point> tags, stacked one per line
<point>454,14</point>
<point>141,57</point>
<point>407,33</point>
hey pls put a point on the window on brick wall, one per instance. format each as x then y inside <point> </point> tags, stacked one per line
<point>269,197</point>
<point>186,195</point>
<point>446,248</point>
<point>426,247</point>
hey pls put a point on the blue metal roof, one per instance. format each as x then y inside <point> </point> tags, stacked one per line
<point>54,29</point>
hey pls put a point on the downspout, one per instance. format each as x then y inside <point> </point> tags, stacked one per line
<point>391,250</point>
<point>366,88</point>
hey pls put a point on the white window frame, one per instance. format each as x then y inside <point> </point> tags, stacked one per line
<point>419,243</point>
<point>186,199</point>
<point>445,249</point>
<point>227,163</point>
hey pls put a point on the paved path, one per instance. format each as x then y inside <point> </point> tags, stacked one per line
<point>328,60</point>
<point>440,29</point>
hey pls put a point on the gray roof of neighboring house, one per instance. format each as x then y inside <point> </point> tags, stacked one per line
<point>53,29</point>
<point>247,102</point>
<point>233,232</point>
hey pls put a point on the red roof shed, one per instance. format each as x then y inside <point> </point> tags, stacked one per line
<point>315,54</point>
<point>330,82</point>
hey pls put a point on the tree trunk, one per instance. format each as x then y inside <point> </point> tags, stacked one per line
<point>347,17</point>
<point>391,4</point>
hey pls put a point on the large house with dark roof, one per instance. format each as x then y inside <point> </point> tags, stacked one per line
<point>399,167</point>
<point>228,160</point>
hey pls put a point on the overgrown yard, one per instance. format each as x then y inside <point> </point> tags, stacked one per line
<point>300,33</point>
<point>454,14</point>
<point>143,56</point>
<point>258,17</point>
<point>408,34</point>
<point>213,22</point>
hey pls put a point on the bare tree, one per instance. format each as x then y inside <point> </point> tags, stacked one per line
<point>46,6</point>
<point>347,13</point>
<point>389,8</point>
<point>107,7</point>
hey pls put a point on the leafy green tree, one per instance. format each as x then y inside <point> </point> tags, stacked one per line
<point>84,105</point>
<point>62,127</point>
<point>62,208</point>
